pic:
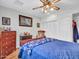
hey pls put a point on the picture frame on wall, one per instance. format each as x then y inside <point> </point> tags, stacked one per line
<point>6,21</point>
<point>38,25</point>
<point>25,21</point>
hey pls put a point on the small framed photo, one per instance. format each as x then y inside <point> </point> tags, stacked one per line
<point>38,25</point>
<point>25,21</point>
<point>5,21</point>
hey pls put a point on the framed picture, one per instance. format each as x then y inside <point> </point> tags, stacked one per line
<point>38,25</point>
<point>5,21</point>
<point>25,21</point>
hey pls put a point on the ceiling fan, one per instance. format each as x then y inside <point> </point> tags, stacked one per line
<point>48,5</point>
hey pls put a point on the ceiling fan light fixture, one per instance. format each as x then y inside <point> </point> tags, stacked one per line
<point>47,6</point>
<point>51,9</point>
<point>45,11</point>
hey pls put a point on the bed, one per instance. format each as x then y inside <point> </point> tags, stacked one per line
<point>49,48</point>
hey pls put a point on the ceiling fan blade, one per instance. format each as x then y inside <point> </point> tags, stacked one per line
<point>37,7</point>
<point>55,1</point>
<point>55,7</point>
<point>43,1</point>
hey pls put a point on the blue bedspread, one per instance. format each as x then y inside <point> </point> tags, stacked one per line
<point>48,48</point>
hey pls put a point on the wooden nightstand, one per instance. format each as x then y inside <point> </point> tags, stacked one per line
<point>25,39</point>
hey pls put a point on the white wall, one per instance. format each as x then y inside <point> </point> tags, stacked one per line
<point>59,27</point>
<point>14,15</point>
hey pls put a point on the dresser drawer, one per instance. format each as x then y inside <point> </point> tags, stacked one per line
<point>3,53</point>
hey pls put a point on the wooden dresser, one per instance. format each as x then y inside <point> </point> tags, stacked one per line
<point>7,43</point>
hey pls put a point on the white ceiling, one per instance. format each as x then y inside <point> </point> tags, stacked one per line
<point>27,5</point>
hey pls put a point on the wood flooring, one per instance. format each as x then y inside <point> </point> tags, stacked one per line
<point>14,55</point>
